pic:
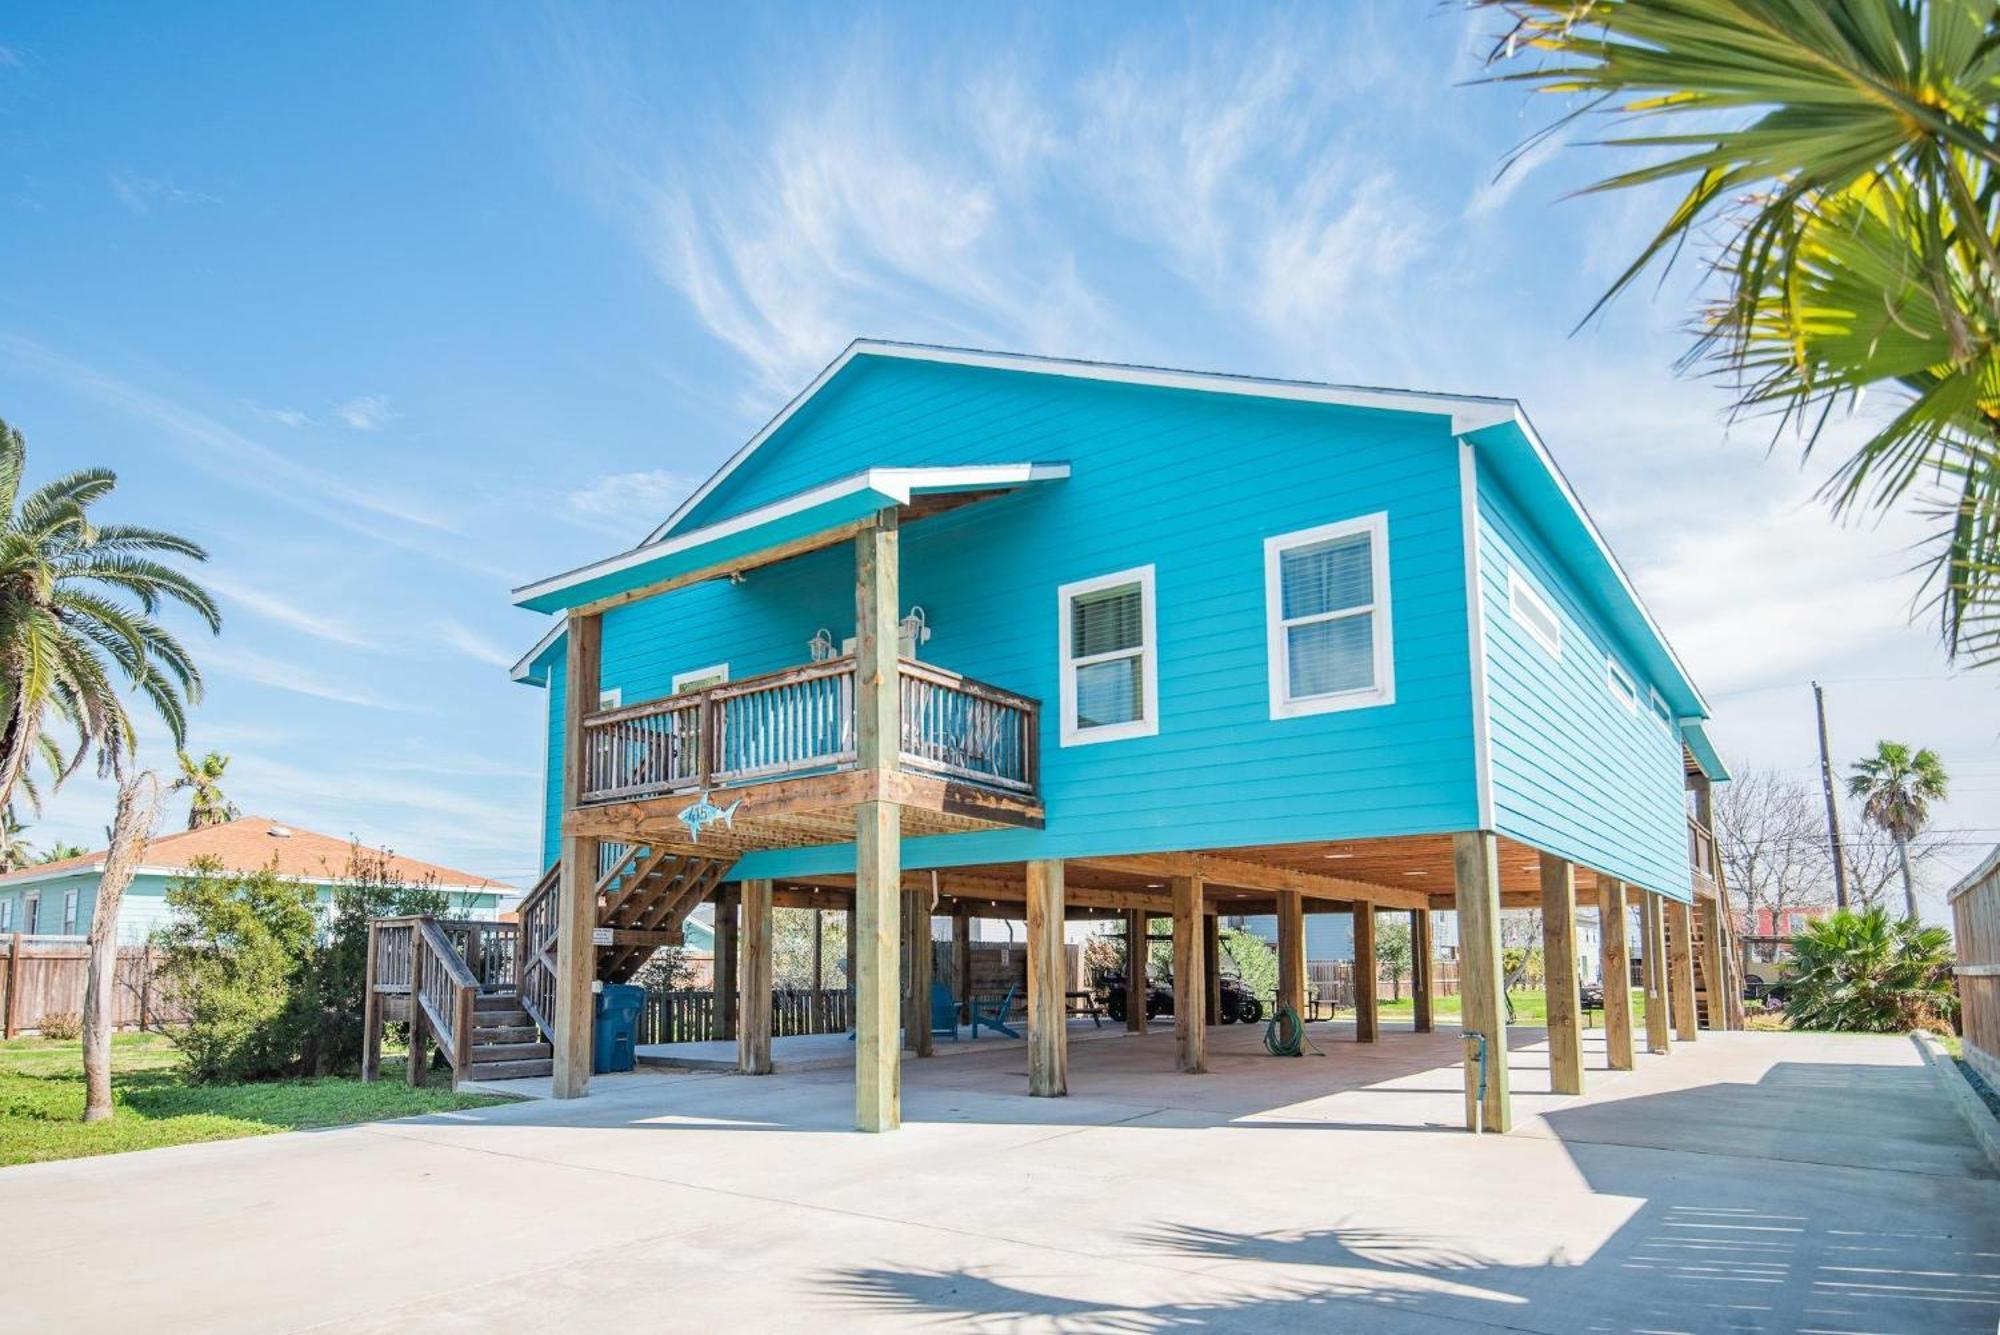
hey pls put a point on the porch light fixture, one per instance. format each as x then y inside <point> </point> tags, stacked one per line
<point>916,628</point>
<point>820,646</point>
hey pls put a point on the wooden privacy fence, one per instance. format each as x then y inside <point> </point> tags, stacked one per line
<point>46,975</point>
<point>1333,981</point>
<point>686,1016</point>
<point>1975,917</point>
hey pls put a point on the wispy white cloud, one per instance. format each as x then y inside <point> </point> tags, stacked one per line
<point>366,412</point>
<point>628,504</point>
<point>457,635</point>
<point>1513,173</point>
<point>282,416</point>
<point>141,195</point>
<point>288,612</point>
<point>265,670</point>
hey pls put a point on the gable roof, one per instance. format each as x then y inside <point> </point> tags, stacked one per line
<point>1498,428</point>
<point>251,843</point>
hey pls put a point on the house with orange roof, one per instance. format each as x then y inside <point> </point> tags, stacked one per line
<point>58,898</point>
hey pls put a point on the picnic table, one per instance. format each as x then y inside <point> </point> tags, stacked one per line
<point>1084,1003</point>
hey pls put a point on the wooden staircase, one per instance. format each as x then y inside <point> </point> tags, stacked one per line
<point>486,991</point>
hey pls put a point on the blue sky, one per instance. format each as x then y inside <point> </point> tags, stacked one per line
<point>396,307</point>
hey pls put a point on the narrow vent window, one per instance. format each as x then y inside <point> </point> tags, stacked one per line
<point>1534,613</point>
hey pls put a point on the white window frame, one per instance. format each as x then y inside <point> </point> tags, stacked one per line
<point>1278,644</point>
<point>1621,685</point>
<point>31,914</point>
<point>7,914</point>
<point>1148,723</point>
<point>1662,715</point>
<point>70,906</point>
<point>610,698</point>
<point>1522,589</point>
<point>719,671</point>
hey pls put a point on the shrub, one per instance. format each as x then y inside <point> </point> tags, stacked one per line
<point>272,980</point>
<point>64,1026</point>
<point>1256,961</point>
<point>1863,971</point>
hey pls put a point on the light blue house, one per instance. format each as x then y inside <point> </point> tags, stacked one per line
<point>60,898</point>
<point>970,634</point>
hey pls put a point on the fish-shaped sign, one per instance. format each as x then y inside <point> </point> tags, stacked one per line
<point>705,813</point>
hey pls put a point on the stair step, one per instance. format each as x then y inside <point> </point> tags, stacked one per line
<point>509,1070</point>
<point>486,1053</point>
<point>524,1032</point>
<point>512,1019</point>
<point>497,1001</point>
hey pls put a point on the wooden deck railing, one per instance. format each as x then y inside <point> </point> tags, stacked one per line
<point>802,721</point>
<point>1701,853</point>
<point>424,961</point>
<point>535,953</point>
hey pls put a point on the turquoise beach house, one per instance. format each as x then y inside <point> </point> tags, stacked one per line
<point>964,634</point>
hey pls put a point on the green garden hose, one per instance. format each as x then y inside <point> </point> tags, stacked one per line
<point>1285,1035</point>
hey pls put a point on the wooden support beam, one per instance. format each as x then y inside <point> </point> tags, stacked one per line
<point>1190,989</point>
<point>1565,1024</point>
<point>917,951</point>
<point>878,1067</point>
<point>753,1038</point>
<point>1292,950</point>
<point>1048,979</point>
<point>1680,969</point>
<point>1476,876</point>
<point>371,1012</point>
<point>1423,967</point>
<point>1246,875</point>
<point>1136,948</point>
<point>726,954</point>
<point>961,963</point>
<point>1653,971</point>
<point>1211,966</point>
<point>1714,974</point>
<point>1614,925</point>
<point>576,906</point>
<point>1367,988</point>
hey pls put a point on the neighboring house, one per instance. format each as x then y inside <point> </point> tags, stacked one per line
<point>1108,639</point>
<point>1772,923</point>
<point>58,898</point>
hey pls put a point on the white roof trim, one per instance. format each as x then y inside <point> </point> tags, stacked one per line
<point>897,483</point>
<point>521,671</point>
<point>1468,413</point>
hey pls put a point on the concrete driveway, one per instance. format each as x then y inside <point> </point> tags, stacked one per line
<point>1749,1182</point>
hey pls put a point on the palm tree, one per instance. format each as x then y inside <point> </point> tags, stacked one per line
<point>1842,164</point>
<point>65,636</point>
<point>1860,971</point>
<point>60,850</point>
<point>204,778</point>
<point>15,850</point>
<point>1897,786</point>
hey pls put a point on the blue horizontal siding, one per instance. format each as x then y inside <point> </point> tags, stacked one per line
<point>1190,483</point>
<point>1573,770</point>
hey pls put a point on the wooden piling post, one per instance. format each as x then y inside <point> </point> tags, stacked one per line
<point>1423,967</point>
<point>1367,985</point>
<point>1190,987</point>
<point>1048,978</point>
<point>1714,972</point>
<point>917,949</point>
<point>1476,883</point>
<point>1292,950</point>
<point>1653,971</point>
<point>1680,969</point>
<point>878,859</point>
<point>723,984</point>
<point>753,1035</point>
<point>576,913</point>
<point>961,963</point>
<point>1211,956</point>
<point>1565,1025</point>
<point>1615,956</point>
<point>1136,951</point>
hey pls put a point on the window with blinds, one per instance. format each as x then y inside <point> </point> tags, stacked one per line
<point>1327,607</point>
<point>1526,605</point>
<point>1109,679</point>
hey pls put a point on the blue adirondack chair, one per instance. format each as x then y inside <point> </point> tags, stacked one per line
<point>993,1014</point>
<point>944,1013</point>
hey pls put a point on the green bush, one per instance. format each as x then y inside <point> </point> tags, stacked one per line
<point>1256,962</point>
<point>271,979</point>
<point>1866,972</point>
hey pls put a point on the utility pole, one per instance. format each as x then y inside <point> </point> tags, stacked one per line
<point>1832,806</point>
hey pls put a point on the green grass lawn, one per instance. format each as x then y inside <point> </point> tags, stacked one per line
<point>1530,1008</point>
<point>41,1101</point>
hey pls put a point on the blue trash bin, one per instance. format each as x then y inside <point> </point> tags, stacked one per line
<point>617,1020</point>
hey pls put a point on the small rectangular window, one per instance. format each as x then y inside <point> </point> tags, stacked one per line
<point>1527,605</point>
<point>700,679</point>
<point>612,698</point>
<point>1622,688</point>
<point>1660,710</point>
<point>1110,676</point>
<point>6,915</point>
<point>69,913</point>
<point>31,914</point>
<point>1326,608</point>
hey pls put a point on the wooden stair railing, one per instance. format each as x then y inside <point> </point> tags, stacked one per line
<point>445,988</point>
<point>452,980</point>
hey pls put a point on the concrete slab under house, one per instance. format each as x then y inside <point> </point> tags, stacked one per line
<point>964,635</point>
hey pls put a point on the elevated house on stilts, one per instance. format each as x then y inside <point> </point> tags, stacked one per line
<point>962,633</point>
